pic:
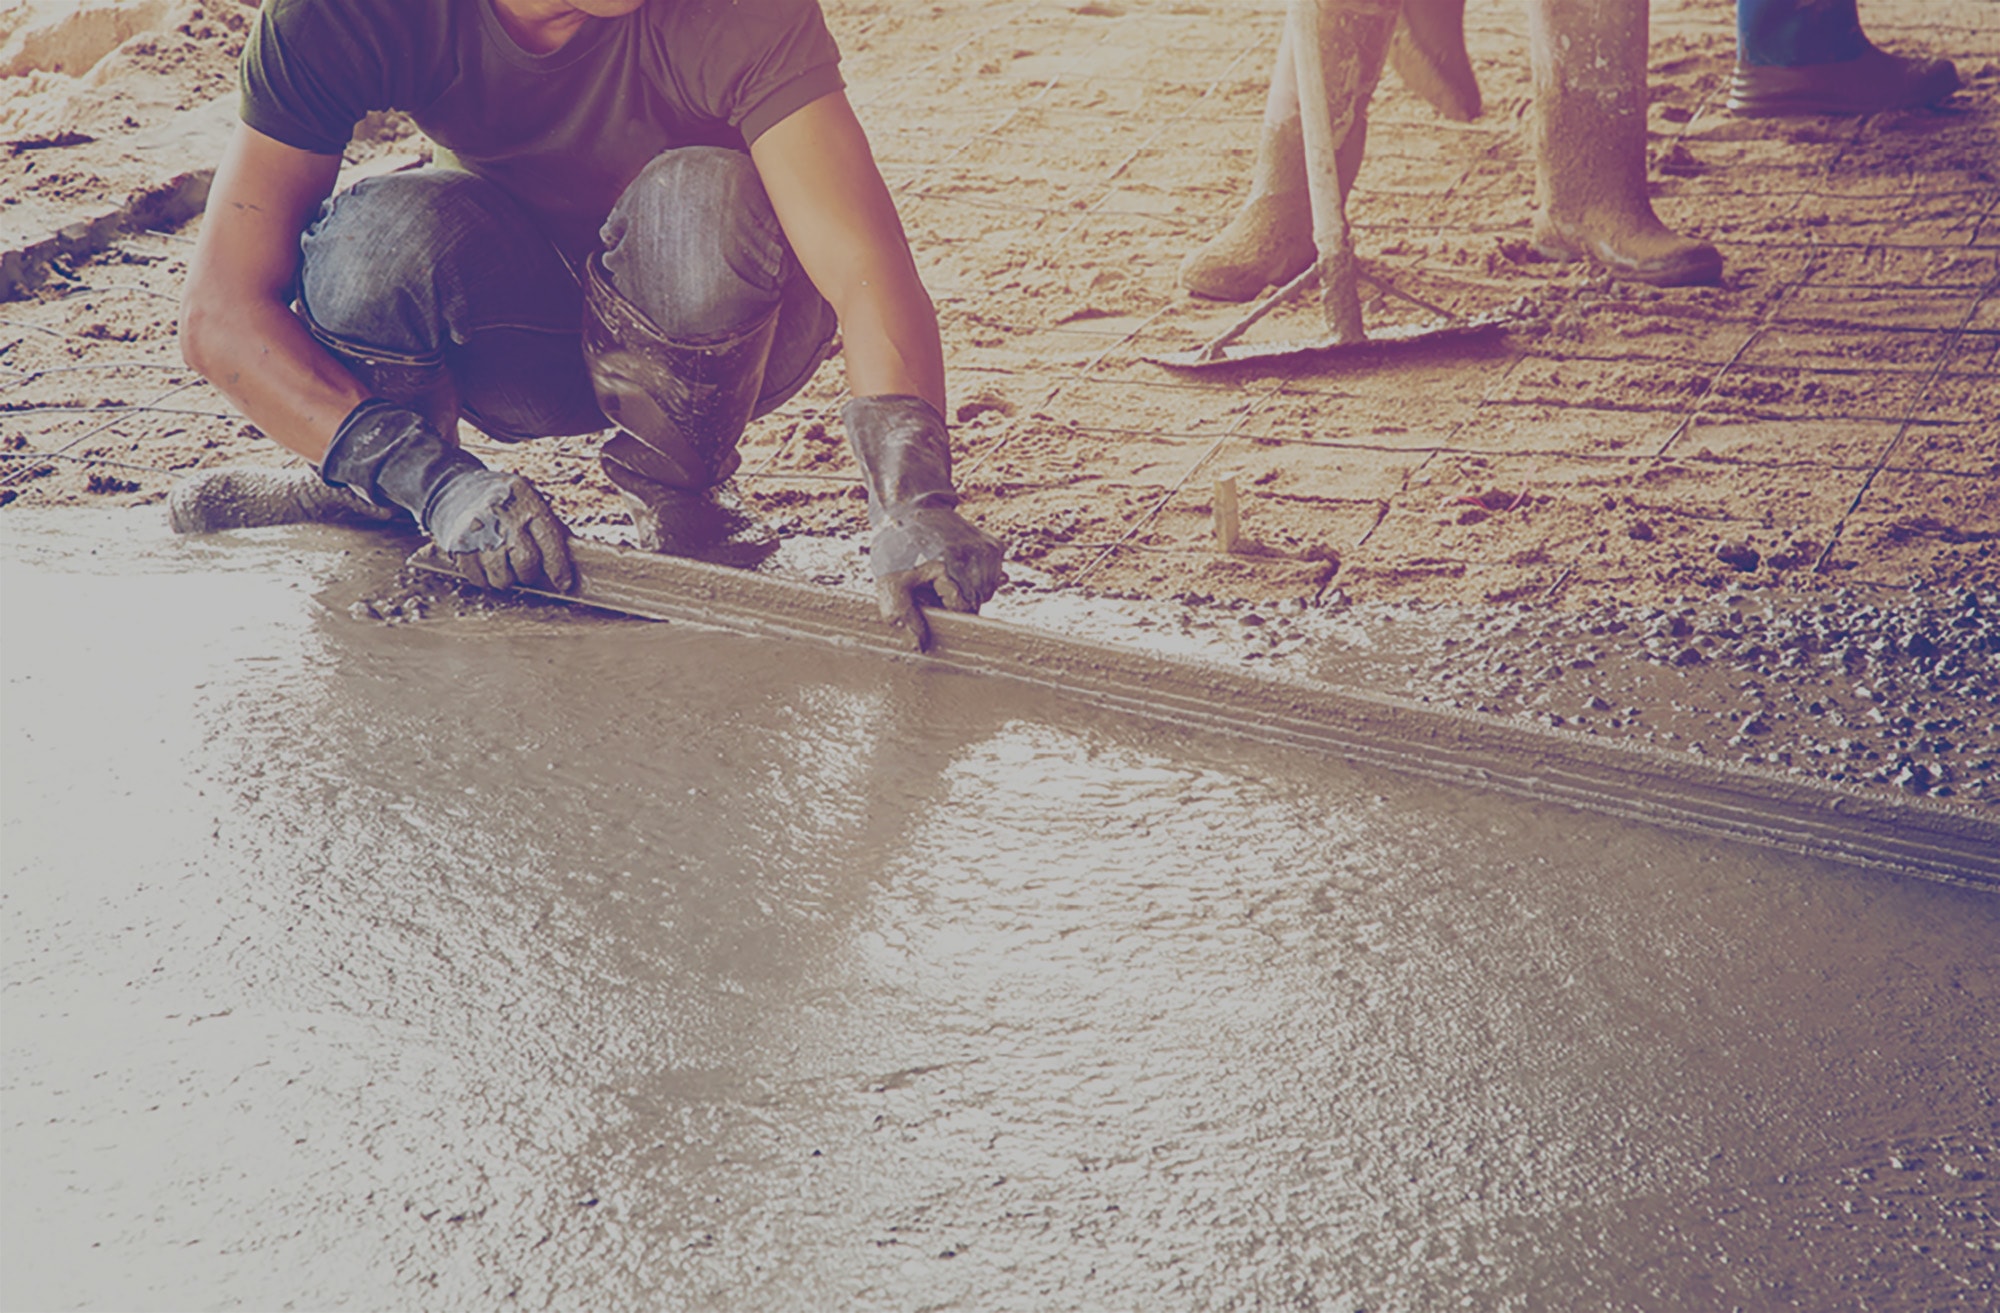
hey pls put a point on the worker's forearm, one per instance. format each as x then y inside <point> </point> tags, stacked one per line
<point>260,356</point>
<point>890,337</point>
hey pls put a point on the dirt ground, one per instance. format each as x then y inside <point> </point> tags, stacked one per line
<point>1825,420</point>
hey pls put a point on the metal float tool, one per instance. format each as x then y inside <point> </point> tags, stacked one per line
<point>1913,836</point>
<point>1327,57</point>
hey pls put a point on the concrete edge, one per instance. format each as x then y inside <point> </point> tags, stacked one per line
<point>1914,836</point>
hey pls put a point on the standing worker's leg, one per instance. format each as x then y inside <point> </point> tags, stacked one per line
<point>1810,57</point>
<point>698,318</point>
<point>1270,239</point>
<point>1589,128</point>
<point>435,291</point>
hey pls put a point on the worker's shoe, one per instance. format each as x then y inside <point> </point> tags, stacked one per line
<point>255,496</point>
<point>1875,82</point>
<point>1588,127</point>
<point>1428,54</point>
<point>709,524</point>
<point>1631,249</point>
<point>1269,241</point>
<point>681,406</point>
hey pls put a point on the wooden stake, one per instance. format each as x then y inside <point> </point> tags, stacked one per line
<point>1226,521</point>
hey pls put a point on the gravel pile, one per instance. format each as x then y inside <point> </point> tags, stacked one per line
<point>1872,688</point>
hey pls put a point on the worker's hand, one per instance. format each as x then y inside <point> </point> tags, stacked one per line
<point>495,528</point>
<point>924,553</point>
<point>928,555</point>
<point>498,532</point>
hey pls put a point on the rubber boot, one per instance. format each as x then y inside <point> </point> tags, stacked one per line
<point>254,496</point>
<point>1589,128</point>
<point>681,407</point>
<point>1270,241</point>
<point>1795,57</point>
<point>1428,54</point>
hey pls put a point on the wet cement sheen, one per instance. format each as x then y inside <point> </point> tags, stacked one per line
<point>573,963</point>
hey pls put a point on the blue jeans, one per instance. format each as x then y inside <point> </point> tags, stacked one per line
<point>438,268</point>
<point>1793,33</point>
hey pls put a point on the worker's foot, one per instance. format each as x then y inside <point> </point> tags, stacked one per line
<point>1269,242</point>
<point>252,496</point>
<point>1640,251</point>
<point>711,526</point>
<point>1875,82</point>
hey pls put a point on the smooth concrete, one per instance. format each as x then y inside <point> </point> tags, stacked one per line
<point>522,957</point>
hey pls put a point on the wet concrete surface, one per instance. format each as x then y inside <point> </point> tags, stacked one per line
<point>507,955</point>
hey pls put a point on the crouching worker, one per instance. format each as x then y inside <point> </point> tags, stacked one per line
<point>661,212</point>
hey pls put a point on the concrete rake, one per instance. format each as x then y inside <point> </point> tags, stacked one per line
<point>1331,42</point>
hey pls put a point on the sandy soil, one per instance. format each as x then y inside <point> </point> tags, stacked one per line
<point>1823,424</point>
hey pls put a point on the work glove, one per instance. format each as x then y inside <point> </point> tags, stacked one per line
<point>493,527</point>
<point>923,552</point>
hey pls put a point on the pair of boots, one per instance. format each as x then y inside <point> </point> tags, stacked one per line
<point>1588,127</point>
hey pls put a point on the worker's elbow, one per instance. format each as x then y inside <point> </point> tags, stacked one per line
<point>200,332</point>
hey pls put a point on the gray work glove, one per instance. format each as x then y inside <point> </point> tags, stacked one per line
<point>924,552</point>
<point>494,527</point>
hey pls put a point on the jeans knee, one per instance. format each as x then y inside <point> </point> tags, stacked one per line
<point>694,243</point>
<point>397,261</point>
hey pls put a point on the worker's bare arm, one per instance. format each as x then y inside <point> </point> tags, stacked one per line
<point>837,214</point>
<point>237,327</point>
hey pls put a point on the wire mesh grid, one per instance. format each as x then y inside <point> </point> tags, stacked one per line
<point>1053,164</point>
<point>1845,372</point>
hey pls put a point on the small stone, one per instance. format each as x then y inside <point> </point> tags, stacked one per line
<point>1738,555</point>
<point>1913,778</point>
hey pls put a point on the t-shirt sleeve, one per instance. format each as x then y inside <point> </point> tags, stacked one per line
<point>755,61</point>
<point>302,79</point>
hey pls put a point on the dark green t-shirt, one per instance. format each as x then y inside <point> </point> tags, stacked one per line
<point>563,132</point>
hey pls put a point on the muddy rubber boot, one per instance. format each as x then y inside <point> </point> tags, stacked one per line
<point>1428,54</point>
<point>681,407</point>
<point>709,525</point>
<point>1269,241</point>
<point>1589,132</point>
<point>255,496</point>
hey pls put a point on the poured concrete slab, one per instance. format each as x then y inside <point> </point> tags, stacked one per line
<point>1350,725</point>
<point>515,956</point>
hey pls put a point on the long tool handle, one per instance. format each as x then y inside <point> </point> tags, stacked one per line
<point>1340,294</point>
